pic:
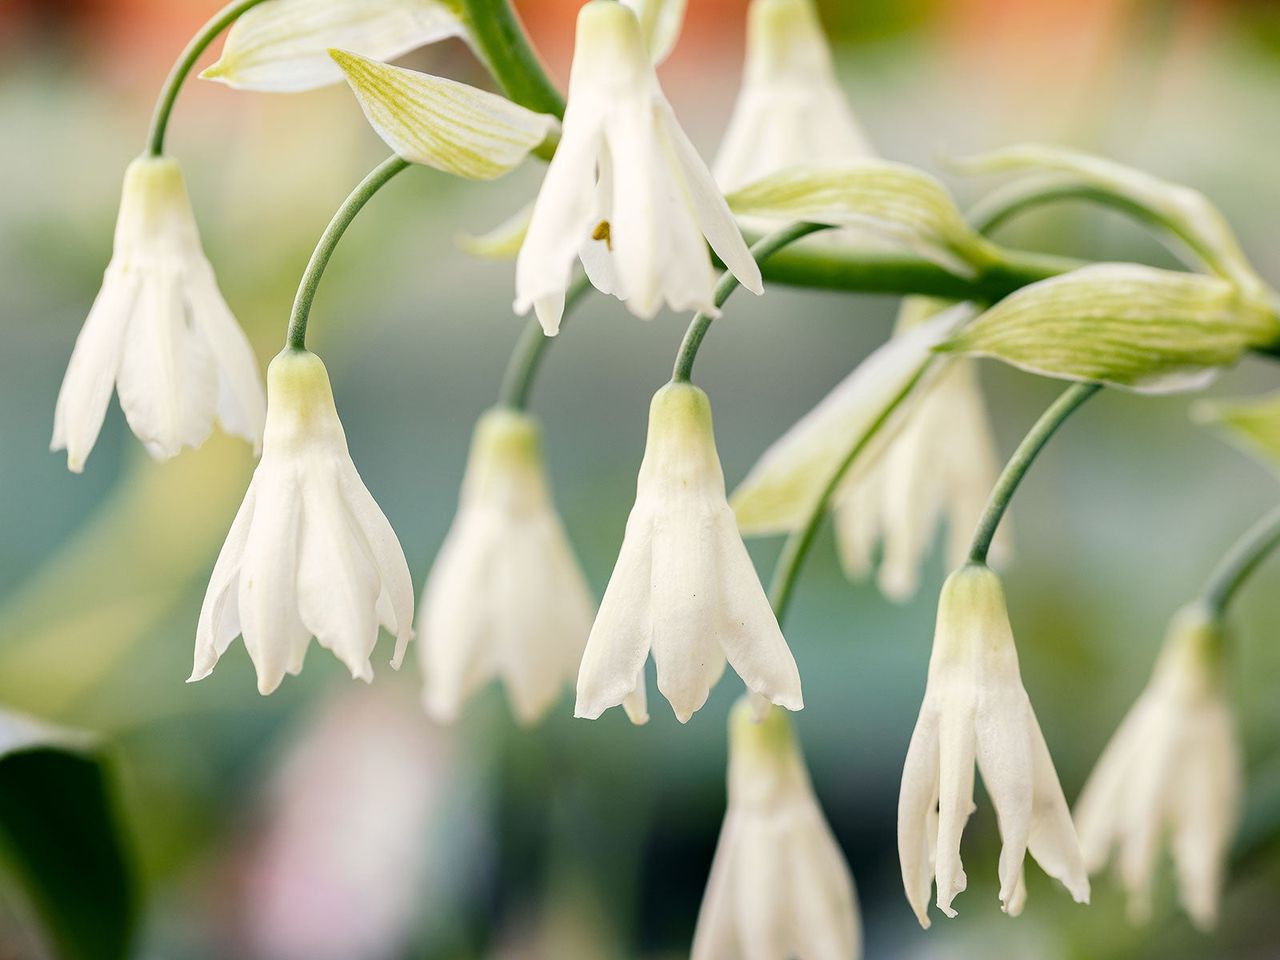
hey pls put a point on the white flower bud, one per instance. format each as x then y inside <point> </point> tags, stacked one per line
<point>283,46</point>
<point>159,333</point>
<point>309,553</point>
<point>684,586</point>
<point>893,201</point>
<point>779,886</point>
<point>1173,767</point>
<point>626,191</point>
<point>976,710</point>
<point>506,597</point>
<point>442,123</point>
<point>1125,325</point>
<point>790,109</point>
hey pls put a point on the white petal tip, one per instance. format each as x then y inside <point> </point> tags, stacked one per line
<point>268,687</point>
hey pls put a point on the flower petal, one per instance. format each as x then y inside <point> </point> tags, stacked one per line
<point>562,217</point>
<point>709,205</point>
<point>273,633</point>
<point>166,383</point>
<point>91,374</point>
<point>242,404</point>
<point>219,622</point>
<point>396,585</point>
<point>917,812</point>
<point>687,588</point>
<point>749,631</point>
<point>613,662</point>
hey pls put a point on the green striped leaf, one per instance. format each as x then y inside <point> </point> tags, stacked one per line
<point>1124,325</point>
<point>442,123</point>
<point>896,201</point>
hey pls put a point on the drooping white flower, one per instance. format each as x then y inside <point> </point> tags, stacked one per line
<point>779,886</point>
<point>790,109</point>
<point>159,334</point>
<point>309,554</point>
<point>283,46</point>
<point>939,467</point>
<point>684,586</point>
<point>1173,765</point>
<point>975,708</point>
<point>626,192</point>
<point>506,597</point>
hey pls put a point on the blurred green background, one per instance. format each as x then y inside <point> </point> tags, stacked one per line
<point>331,820</point>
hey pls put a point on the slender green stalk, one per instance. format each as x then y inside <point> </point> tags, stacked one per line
<point>1241,560</point>
<point>182,69</point>
<point>787,570</point>
<point>903,274</point>
<point>1021,461</point>
<point>502,42</point>
<point>762,250</point>
<point>526,358</point>
<point>375,181</point>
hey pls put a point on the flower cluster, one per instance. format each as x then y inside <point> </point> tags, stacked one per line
<point>899,448</point>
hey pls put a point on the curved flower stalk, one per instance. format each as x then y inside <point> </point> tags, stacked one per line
<point>159,333</point>
<point>938,468</point>
<point>779,886</point>
<point>1174,764</point>
<point>283,46</point>
<point>975,709</point>
<point>684,586</point>
<point>626,191</point>
<point>309,553</point>
<point>506,597</point>
<point>790,109</point>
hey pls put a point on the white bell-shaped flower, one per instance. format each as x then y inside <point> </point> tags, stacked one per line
<point>790,109</point>
<point>684,586</point>
<point>626,192</point>
<point>506,597</point>
<point>779,886</point>
<point>1173,766</point>
<point>310,554</point>
<point>938,468</point>
<point>159,333</point>
<point>975,708</point>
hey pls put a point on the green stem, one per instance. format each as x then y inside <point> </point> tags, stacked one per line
<point>296,338</point>
<point>502,42</point>
<point>904,274</point>
<point>787,570</point>
<point>526,358</point>
<point>1241,560</point>
<point>182,69</point>
<point>762,250</point>
<point>1018,198</point>
<point>1020,463</point>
